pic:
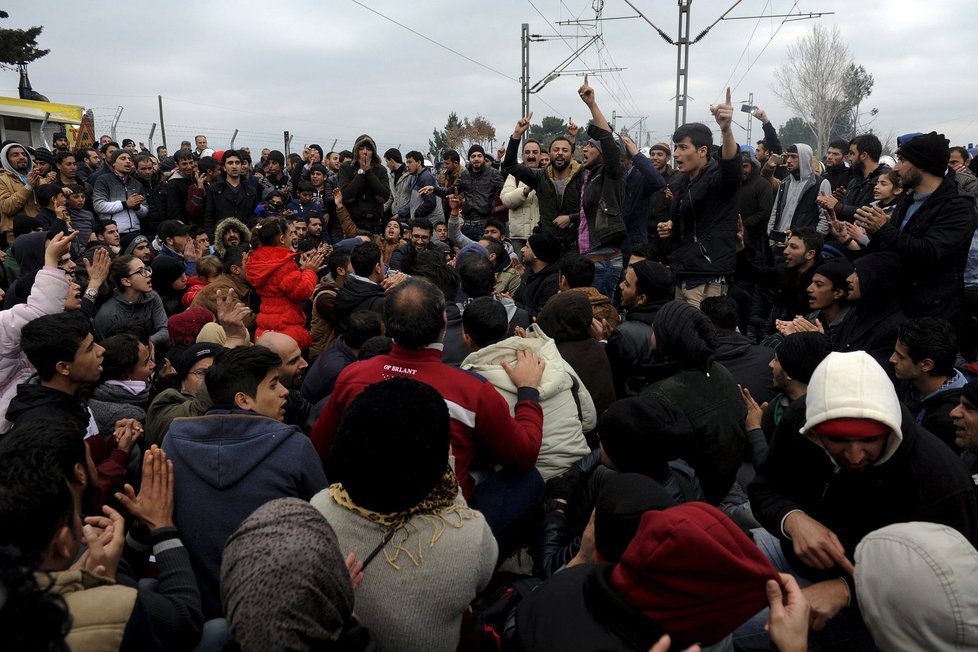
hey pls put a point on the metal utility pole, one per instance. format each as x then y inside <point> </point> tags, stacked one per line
<point>750,123</point>
<point>525,76</point>
<point>526,88</point>
<point>683,42</point>
<point>162,126</point>
<point>682,62</point>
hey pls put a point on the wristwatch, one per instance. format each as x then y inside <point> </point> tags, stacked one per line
<point>91,294</point>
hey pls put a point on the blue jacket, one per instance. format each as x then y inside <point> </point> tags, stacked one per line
<point>228,463</point>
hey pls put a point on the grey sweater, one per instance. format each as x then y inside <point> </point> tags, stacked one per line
<point>118,309</point>
<point>419,607</point>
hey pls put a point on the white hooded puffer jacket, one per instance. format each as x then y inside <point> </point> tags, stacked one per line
<point>568,411</point>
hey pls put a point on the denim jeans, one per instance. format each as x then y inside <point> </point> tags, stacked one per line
<point>607,274</point>
<point>845,632</point>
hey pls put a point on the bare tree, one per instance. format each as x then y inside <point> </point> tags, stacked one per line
<point>813,83</point>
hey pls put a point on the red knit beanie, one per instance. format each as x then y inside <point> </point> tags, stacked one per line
<point>694,572</point>
<point>185,326</point>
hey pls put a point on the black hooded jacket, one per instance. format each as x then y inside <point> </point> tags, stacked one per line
<point>872,324</point>
<point>754,201</point>
<point>748,363</point>
<point>34,400</point>
<point>629,348</point>
<point>705,392</point>
<point>357,294</point>
<point>364,195</point>
<point>537,288</point>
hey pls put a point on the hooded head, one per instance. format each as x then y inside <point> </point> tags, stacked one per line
<point>284,583</point>
<point>685,335</point>
<point>566,317</point>
<point>8,165</point>
<point>624,499</point>
<point>641,434</point>
<point>366,140</point>
<point>877,277</point>
<point>941,612</point>
<point>803,169</point>
<point>694,572</point>
<point>851,399</point>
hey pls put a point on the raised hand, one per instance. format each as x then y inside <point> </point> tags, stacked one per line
<point>630,145</point>
<point>723,113</point>
<point>755,412</point>
<point>153,507</point>
<point>572,129</point>
<point>338,197</point>
<point>522,125</point>
<point>60,245</point>
<point>586,92</point>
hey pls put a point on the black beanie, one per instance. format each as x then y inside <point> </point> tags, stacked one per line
<point>117,153</point>
<point>800,353</point>
<point>641,434</point>
<point>476,148</point>
<point>929,152</point>
<point>837,270</point>
<point>277,156</point>
<point>970,391</point>
<point>546,247</point>
<point>397,430</point>
<point>24,224</point>
<point>624,498</point>
<point>655,280</point>
<point>685,335</point>
<point>194,354</point>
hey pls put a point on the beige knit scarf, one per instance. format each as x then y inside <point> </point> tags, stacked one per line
<point>406,530</point>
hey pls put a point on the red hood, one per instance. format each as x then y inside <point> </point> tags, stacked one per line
<point>265,261</point>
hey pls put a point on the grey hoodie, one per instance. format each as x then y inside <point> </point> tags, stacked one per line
<point>793,189</point>
<point>9,168</point>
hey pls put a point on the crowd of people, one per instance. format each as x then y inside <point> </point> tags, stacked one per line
<point>700,395</point>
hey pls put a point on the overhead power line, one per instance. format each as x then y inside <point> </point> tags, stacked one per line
<point>433,41</point>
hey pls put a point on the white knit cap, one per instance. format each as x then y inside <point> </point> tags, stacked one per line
<point>852,386</point>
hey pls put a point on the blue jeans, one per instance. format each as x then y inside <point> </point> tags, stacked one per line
<point>607,274</point>
<point>846,631</point>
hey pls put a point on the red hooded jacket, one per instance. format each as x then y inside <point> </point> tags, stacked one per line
<point>282,287</point>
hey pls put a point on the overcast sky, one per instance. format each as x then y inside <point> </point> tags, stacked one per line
<point>333,70</point>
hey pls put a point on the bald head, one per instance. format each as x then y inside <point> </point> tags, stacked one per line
<point>293,365</point>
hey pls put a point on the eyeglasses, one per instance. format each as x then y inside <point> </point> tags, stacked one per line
<point>420,238</point>
<point>145,271</point>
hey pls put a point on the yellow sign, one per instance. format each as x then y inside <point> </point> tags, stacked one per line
<point>60,113</point>
<point>84,135</point>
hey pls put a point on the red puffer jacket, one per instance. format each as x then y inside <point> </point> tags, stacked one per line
<point>282,286</point>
